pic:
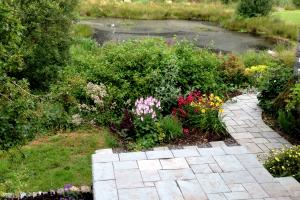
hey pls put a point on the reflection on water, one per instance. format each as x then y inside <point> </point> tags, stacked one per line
<point>200,33</point>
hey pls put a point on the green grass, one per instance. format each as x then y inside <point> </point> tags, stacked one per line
<point>290,16</point>
<point>51,162</point>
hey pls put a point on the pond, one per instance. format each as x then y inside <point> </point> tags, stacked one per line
<point>202,34</point>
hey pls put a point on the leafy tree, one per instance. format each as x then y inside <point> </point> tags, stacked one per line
<point>254,8</point>
<point>297,3</point>
<point>46,36</point>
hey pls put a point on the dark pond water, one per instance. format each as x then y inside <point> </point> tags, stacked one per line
<point>200,33</point>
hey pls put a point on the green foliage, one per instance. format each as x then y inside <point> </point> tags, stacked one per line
<point>46,38</point>
<point>254,8</point>
<point>285,162</point>
<point>171,127</point>
<point>272,84</point>
<point>233,71</point>
<point>293,102</point>
<point>11,58</point>
<point>198,69</point>
<point>297,3</point>
<point>16,113</point>
<point>287,121</point>
<point>111,141</point>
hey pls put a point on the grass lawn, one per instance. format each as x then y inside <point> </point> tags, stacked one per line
<point>289,16</point>
<point>51,162</point>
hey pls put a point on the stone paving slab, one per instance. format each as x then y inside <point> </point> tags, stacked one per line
<point>219,172</point>
<point>215,173</point>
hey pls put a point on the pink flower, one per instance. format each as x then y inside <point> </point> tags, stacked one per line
<point>186,131</point>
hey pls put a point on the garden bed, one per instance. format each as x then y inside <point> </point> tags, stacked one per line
<point>272,122</point>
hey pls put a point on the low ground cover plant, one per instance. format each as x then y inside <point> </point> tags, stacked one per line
<point>285,162</point>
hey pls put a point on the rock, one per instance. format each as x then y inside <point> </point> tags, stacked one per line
<point>8,195</point>
<point>22,195</point>
<point>74,189</point>
<point>85,189</point>
<point>60,191</point>
<point>272,53</point>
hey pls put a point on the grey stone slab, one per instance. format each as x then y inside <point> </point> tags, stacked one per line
<point>216,196</point>
<point>264,148</point>
<point>191,190</point>
<point>218,144</point>
<point>212,183</point>
<point>160,148</point>
<point>261,175</point>
<point>237,195</point>
<point>190,147</point>
<point>274,145</point>
<point>168,190</point>
<point>242,135</point>
<point>201,169</point>
<point>159,154</point>
<point>290,184</point>
<point>149,165</point>
<point>103,171</point>
<point>174,163</point>
<point>236,187</point>
<point>211,151</point>
<point>128,178</point>
<point>253,148</point>
<point>270,134</point>
<point>105,190</point>
<point>104,151</point>
<point>229,163</point>
<point>132,156</point>
<point>274,189</point>
<point>235,150</point>
<point>255,190</point>
<point>147,193</point>
<point>200,160</point>
<point>150,175</point>
<point>178,153</point>
<point>215,168</point>
<point>96,158</point>
<point>249,160</point>
<point>177,174</point>
<point>125,165</point>
<point>260,140</point>
<point>149,184</point>
<point>237,177</point>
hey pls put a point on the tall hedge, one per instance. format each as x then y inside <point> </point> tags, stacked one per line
<point>254,8</point>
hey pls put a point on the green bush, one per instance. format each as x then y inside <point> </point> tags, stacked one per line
<point>272,84</point>
<point>254,8</point>
<point>285,162</point>
<point>46,38</point>
<point>16,113</point>
<point>297,3</point>
<point>171,127</point>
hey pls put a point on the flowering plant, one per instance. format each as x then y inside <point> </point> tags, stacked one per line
<point>200,111</point>
<point>148,107</point>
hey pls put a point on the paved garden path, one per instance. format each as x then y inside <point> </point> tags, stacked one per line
<point>242,117</point>
<point>192,173</point>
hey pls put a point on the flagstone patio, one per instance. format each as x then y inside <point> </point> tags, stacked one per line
<point>220,172</point>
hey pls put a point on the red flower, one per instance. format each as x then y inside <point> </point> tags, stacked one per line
<point>185,131</point>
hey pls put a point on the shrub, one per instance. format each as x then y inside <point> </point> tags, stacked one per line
<point>256,74</point>
<point>284,162</point>
<point>172,127</point>
<point>254,8</point>
<point>233,70</point>
<point>46,38</point>
<point>272,84</point>
<point>297,3</point>
<point>16,113</point>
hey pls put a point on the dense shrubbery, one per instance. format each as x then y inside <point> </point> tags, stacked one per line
<point>285,162</point>
<point>297,3</point>
<point>34,45</point>
<point>254,8</point>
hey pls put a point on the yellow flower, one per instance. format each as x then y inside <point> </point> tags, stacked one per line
<point>221,110</point>
<point>212,103</point>
<point>203,110</point>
